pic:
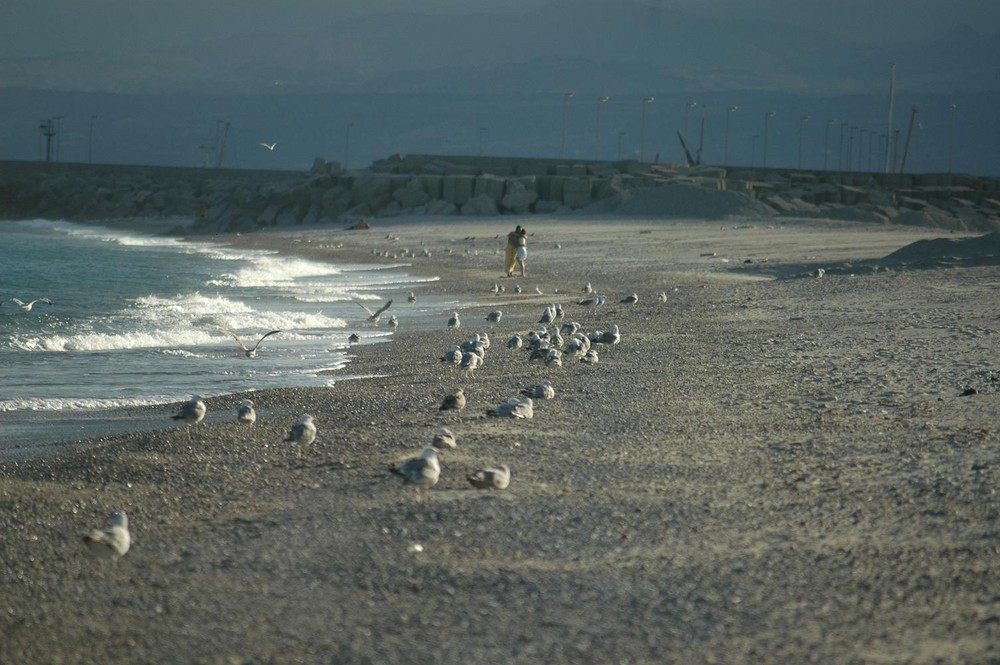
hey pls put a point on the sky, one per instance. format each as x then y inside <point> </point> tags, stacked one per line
<point>30,28</point>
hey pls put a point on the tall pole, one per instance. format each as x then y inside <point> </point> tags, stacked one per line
<point>850,148</point>
<point>90,141</point>
<point>840,148</point>
<point>888,125</point>
<point>767,117</point>
<point>58,129</point>
<point>861,147</point>
<point>687,107</point>
<point>347,146</point>
<point>600,104</point>
<point>951,138</point>
<point>826,142</point>
<point>725,151</point>
<point>566,96</point>
<point>642,133</point>
<point>802,121</point>
<point>753,149</point>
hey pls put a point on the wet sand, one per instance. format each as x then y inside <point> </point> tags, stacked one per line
<point>764,470</point>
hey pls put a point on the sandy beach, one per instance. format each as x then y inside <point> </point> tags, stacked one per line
<point>770,467</point>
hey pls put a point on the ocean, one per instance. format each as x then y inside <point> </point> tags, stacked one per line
<point>138,320</point>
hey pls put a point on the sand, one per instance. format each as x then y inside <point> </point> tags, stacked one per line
<point>769,468</point>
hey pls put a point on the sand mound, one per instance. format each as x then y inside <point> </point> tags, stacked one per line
<point>979,250</point>
<point>678,201</point>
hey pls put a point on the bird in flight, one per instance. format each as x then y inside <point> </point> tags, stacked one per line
<point>27,306</point>
<point>269,146</point>
<point>251,352</point>
<point>373,316</point>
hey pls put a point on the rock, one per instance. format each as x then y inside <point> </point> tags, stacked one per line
<point>411,195</point>
<point>518,199</point>
<point>480,206</point>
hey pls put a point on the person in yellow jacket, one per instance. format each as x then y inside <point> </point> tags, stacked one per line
<point>509,261</point>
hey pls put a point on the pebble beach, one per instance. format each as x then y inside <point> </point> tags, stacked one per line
<point>793,458</point>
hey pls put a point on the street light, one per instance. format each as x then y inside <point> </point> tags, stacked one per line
<point>861,146</point>
<point>90,141</point>
<point>850,148</point>
<point>642,134</point>
<point>767,117</point>
<point>347,146</point>
<point>826,142</point>
<point>566,96</point>
<point>840,149</point>
<point>621,134</point>
<point>58,121</point>
<point>951,138</point>
<point>802,121</point>
<point>753,149</point>
<point>600,103</point>
<point>687,107</point>
<point>725,149</point>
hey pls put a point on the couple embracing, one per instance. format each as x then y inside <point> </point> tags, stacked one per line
<point>517,250</point>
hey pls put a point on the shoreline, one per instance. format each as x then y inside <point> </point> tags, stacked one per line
<point>763,471</point>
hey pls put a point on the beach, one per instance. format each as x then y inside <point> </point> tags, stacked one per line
<point>775,465</point>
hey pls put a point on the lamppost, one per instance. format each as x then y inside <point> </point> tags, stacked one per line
<point>482,131</point>
<point>753,149</point>
<point>951,138</point>
<point>802,121</point>
<point>850,148</point>
<point>861,146</point>
<point>90,141</point>
<point>621,134</point>
<point>58,122</point>
<point>600,104</point>
<point>840,149</point>
<point>687,107</point>
<point>347,146</point>
<point>566,96</point>
<point>767,117</point>
<point>642,134</point>
<point>725,150</point>
<point>826,142</point>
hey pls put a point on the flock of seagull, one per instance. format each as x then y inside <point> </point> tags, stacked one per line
<point>553,341</point>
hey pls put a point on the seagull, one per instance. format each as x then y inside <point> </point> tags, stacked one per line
<point>245,414</point>
<point>191,412</point>
<point>490,478</point>
<point>587,288</point>
<point>515,342</point>
<point>661,297</point>
<point>494,316</point>
<point>251,353</point>
<point>517,288</point>
<point>553,358</point>
<point>444,439</point>
<point>453,355</point>
<point>470,362</point>
<point>393,322</point>
<point>112,541</point>
<point>542,390</point>
<point>592,301</point>
<point>27,306</point>
<point>453,402</point>
<point>454,321</point>
<point>611,336</point>
<point>374,316</point>
<point>353,338</point>
<point>590,357</point>
<point>302,433</point>
<point>412,297</point>
<point>515,407</point>
<point>631,299</point>
<point>269,146</point>
<point>548,315</point>
<point>421,471</point>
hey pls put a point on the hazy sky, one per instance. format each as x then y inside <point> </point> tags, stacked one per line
<point>41,27</point>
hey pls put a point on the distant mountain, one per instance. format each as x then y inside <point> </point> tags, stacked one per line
<point>601,45</point>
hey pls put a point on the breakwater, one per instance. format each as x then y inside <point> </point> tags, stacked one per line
<point>228,200</point>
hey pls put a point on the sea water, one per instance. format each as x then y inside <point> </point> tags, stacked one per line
<point>139,320</point>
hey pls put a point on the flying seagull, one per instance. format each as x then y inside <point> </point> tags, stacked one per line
<point>269,146</point>
<point>251,352</point>
<point>374,316</point>
<point>26,306</point>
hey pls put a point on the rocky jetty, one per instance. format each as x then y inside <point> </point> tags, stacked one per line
<point>227,200</point>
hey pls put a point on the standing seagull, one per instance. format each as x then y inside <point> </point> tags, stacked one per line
<point>191,412</point>
<point>421,471</point>
<point>453,402</point>
<point>494,316</point>
<point>112,541</point>
<point>374,316</point>
<point>444,439</point>
<point>250,352</point>
<point>245,414</point>
<point>412,297</point>
<point>26,306</point>
<point>302,433</point>
<point>454,321</point>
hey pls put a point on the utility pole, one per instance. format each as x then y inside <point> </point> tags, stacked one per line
<point>888,127</point>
